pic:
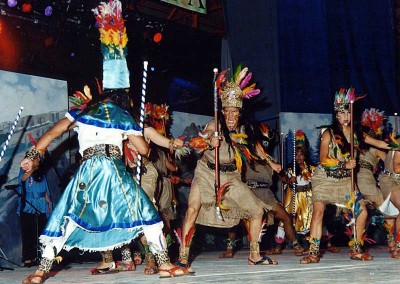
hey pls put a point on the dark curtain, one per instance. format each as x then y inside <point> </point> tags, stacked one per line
<point>326,45</point>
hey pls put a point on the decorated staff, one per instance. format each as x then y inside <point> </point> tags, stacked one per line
<point>141,120</point>
<point>282,145</point>
<point>216,149</point>
<point>396,124</point>
<point>353,188</point>
<point>11,132</point>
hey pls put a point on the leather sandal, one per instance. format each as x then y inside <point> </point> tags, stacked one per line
<point>265,260</point>
<point>186,268</point>
<point>172,272</point>
<point>150,267</point>
<point>310,259</point>
<point>396,254</point>
<point>360,256</point>
<point>332,248</point>
<point>28,280</point>
<point>125,265</point>
<point>275,250</point>
<point>227,254</point>
<point>300,251</point>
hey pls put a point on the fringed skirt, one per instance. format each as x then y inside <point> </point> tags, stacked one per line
<point>366,184</point>
<point>241,201</point>
<point>106,206</point>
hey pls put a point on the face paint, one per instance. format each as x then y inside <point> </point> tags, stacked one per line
<point>231,115</point>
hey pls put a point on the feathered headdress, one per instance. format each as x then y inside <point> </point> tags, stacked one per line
<point>373,118</point>
<point>158,116</point>
<point>113,44</point>
<point>300,138</point>
<point>343,99</point>
<point>233,92</point>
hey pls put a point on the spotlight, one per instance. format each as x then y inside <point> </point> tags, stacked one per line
<point>26,7</point>
<point>12,3</point>
<point>48,11</point>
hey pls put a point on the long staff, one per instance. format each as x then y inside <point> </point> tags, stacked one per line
<point>396,125</point>
<point>294,184</point>
<point>353,188</point>
<point>216,149</point>
<point>141,121</point>
<point>11,132</point>
<point>282,145</point>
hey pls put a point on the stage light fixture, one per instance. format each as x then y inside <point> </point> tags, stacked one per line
<point>12,3</point>
<point>48,11</point>
<point>27,7</point>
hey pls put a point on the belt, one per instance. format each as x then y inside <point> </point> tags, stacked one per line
<point>225,168</point>
<point>256,184</point>
<point>366,165</point>
<point>303,188</point>
<point>103,150</point>
<point>390,174</point>
<point>337,174</point>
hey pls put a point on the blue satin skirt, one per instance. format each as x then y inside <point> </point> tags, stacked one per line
<point>105,204</point>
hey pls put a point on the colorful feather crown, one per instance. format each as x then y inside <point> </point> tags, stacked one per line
<point>113,44</point>
<point>343,98</point>
<point>233,92</point>
<point>373,118</point>
<point>300,138</point>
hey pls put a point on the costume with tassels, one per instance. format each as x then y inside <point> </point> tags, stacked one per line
<point>389,180</point>
<point>332,178</point>
<point>225,206</point>
<point>369,157</point>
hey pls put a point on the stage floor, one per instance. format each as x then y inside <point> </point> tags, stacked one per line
<point>333,268</point>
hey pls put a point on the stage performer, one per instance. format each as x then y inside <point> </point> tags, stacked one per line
<point>331,181</point>
<point>224,207</point>
<point>389,181</point>
<point>259,179</point>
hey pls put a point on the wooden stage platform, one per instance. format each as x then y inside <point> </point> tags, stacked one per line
<point>333,268</point>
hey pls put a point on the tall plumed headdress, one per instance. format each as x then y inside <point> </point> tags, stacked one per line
<point>343,99</point>
<point>113,44</point>
<point>233,91</point>
<point>373,119</point>
<point>300,138</point>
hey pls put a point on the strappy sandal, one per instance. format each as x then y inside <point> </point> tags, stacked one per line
<point>106,270</point>
<point>125,266</point>
<point>265,260</point>
<point>185,267</point>
<point>300,251</point>
<point>273,251</point>
<point>137,258</point>
<point>332,248</point>
<point>28,280</point>
<point>396,254</point>
<point>360,256</point>
<point>226,254</point>
<point>310,259</point>
<point>172,272</point>
<point>150,267</point>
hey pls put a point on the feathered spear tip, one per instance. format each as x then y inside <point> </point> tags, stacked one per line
<point>189,236</point>
<point>220,195</point>
<point>353,204</point>
<point>352,97</point>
